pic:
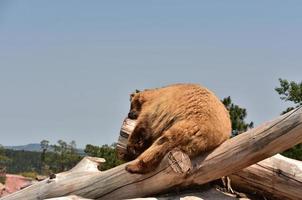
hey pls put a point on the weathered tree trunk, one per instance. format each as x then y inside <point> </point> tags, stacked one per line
<point>233,155</point>
<point>277,177</point>
<point>70,197</point>
<point>206,193</point>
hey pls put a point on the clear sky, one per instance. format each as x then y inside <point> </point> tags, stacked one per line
<point>67,67</point>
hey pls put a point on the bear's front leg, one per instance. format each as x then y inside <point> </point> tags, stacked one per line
<point>179,135</point>
<point>150,158</point>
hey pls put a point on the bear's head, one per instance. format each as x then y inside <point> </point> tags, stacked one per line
<point>136,103</point>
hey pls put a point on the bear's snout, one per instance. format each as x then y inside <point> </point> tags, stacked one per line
<point>132,115</point>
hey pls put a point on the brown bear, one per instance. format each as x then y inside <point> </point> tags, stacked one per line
<point>184,116</point>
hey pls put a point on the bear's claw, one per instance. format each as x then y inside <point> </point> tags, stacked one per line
<point>135,167</point>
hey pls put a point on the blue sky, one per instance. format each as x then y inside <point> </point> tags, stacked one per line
<point>67,67</point>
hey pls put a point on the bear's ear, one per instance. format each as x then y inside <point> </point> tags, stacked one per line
<point>134,93</point>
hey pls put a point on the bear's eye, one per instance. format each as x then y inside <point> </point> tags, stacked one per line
<point>140,143</point>
<point>135,104</point>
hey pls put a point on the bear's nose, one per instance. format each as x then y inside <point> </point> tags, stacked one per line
<point>132,115</point>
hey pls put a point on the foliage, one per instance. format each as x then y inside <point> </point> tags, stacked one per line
<point>23,161</point>
<point>4,160</point>
<point>44,144</point>
<point>295,152</point>
<point>292,92</point>
<point>105,151</point>
<point>63,158</point>
<point>52,159</point>
<point>237,115</point>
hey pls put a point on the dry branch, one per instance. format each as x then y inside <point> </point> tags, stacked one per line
<point>232,156</point>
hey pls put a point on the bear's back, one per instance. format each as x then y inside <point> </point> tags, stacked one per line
<point>188,102</point>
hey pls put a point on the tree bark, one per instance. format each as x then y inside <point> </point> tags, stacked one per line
<point>206,194</point>
<point>276,177</point>
<point>233,155</point>
<point>70,197</point>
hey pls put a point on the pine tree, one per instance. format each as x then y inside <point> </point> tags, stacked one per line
<point>291,92</point>
<point>237,115</point>
<point>4,160</point>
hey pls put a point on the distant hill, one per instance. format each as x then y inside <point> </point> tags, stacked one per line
<point>34,147</point>
<point>27,147</point>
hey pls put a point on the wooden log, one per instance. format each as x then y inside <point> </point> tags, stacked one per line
<point>126,130</point>
<point>276,177</point>
<point>70,197</point>
<point>231,156</point>
<point>207,194</point>
<point>202,193</point>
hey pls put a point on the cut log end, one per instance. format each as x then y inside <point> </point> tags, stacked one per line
<point>126,130</point>
<point>179,161</point>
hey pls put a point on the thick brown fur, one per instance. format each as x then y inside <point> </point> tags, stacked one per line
<point>184,116</point>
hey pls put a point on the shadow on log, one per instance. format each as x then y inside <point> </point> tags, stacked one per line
<point>231,156</point>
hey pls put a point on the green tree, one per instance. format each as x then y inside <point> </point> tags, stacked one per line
<point>104,151</point>
<point>23,161</point>
<point>73,156</point>
<point>237,115</point>
<point>291,91</point>
<point>44,144</point>
<point>4,160</point>
<point>65,156</point>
